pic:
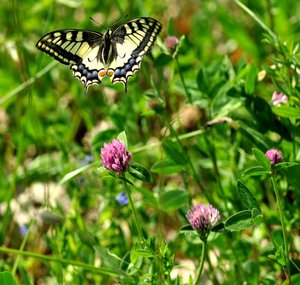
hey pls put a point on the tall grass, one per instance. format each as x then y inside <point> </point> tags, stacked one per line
<point>197,119</point>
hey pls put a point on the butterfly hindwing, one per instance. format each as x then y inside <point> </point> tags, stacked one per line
<point>92,55</point>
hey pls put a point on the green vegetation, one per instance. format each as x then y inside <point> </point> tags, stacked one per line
<point>198,120</point>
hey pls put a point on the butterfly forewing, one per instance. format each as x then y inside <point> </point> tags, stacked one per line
<point>69,46</point>
<point>92,56</point>
<point>77,48</point>
<point>133,40</point>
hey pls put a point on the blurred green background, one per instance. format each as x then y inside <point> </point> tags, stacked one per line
<point>50,127</point>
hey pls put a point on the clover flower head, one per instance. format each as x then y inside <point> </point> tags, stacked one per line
<point>275,156</point>
<point>202,218</point>
<point>115,156</point>
<point>171,42</point>
<point>279,98</point>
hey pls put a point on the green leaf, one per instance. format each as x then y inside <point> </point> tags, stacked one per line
<point>218,228</point>
<point>74,173</point>
<point>100,138</point>
<point>148,196</point>
<point>112,261</point>
<point>187,228</point>
<point>86,237</point>
<point>181,45</point>
<point>261,159</point>
<point>174,151</point>
<point>202,81</point>
<point>243,220</point>
<point>108,259</point>
<point>257,216</point>
<point>139,172</point>
<point>123,138</point>
<point>224,110</point>
<point>163,60</point>
<point>166,167</point>
<point>248,200</point>
<point>284,165</point>
<point>6,278</point>
<point>171,27</point>
<point>144,253</point>
<point>295,279</point>
<point>256,171</point>
<point>239,221</point>
<point>138,251</point>
<point>279,256</point>
<point>173,199</point>
<point>251,79</point>
<point>253,135</point>
<point>287,112</point>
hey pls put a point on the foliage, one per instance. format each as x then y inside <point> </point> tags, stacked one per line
<point>197,119</point>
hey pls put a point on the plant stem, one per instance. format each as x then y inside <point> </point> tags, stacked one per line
<point>255,18</point>
<point>285,245</point>
<point>201,263</point>
<point>23,244</point>
<point>190,164</point>
<point>183,82</point>
<point>136,221</point>
<point>26,84</point>
<point>85,266</point>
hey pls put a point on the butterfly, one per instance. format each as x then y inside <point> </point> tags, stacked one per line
<point>91,55</point>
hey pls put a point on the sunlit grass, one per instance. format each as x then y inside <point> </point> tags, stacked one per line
<point>197,119</point>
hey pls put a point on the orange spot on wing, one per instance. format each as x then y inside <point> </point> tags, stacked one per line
<point>102,73</point>
<point>110,73</point>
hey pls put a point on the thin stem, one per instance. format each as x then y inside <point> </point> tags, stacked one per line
<point>183,82</point>
<point>136,220</point>
<point>255,18</point>
<point>26,84</point>
<point>23,244</point>
<point>271,16</point>
<point>89,267</point>
<point>190,164</point>
<point>181,137</point>
<point>285,245</point>
<point>201,263</point>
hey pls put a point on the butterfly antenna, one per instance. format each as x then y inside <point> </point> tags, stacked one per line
<point>97,23</point>
<point>120,21</point>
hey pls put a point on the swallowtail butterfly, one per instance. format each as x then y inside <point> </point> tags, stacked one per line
<point>91,55</point>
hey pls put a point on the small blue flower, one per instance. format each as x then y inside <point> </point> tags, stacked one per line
<point>23,230</point>
<point>122,199</point>
<point>87,160</point>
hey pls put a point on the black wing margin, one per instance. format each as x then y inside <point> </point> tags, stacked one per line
<point>134,39</point>
<point>69,46</point>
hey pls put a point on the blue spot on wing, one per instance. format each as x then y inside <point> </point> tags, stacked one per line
<point>85,75</point>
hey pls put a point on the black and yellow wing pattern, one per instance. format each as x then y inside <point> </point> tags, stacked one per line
<point>91,55</point>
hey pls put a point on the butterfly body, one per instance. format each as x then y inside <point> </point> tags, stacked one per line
<point>91,55</point>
